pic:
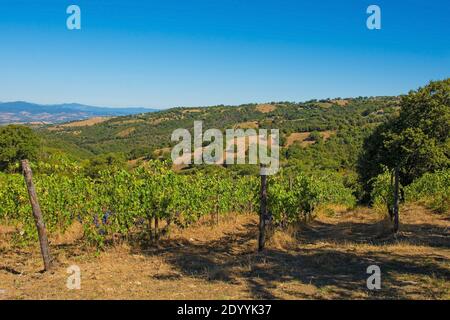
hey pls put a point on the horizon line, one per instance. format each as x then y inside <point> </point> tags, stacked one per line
<point>196,106</point>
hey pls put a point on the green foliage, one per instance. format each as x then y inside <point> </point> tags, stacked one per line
<point>382,193</point>
<point>81,174</point>
<point>315,136</point>
<point>152,131</point>
<point>95,165</point>
<point>292,198</point>
<point>130,199</point>
<point>126,199</point>
<point>432,190</point>
<point>417,140</point>
<point>339,152</point>
<point>17,143</point>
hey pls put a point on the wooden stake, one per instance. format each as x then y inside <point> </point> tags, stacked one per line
<point>263,211</point>
<point>37,214</point>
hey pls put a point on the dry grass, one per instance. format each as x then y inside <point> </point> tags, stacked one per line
<point>330,210</point>
<point>5,230</point>
<point>130,121</point>
<point>156,121</point>
<point>191,111</point>
<point>327,134</point>
<point>125,133</point>
<point>86,123</point>
<point>162,152</point>
<point>340,102</point>
<point>326,259</point>
<point>135,162</point>
<point>55,128</point>
<point>324,105</point>
<point>298,137</point>
<point>302,138</point>
<point>265,108</point>
<point>247,125</point>
<point>245,141</point>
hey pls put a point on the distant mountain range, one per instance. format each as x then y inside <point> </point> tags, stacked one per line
<point>25,112</point>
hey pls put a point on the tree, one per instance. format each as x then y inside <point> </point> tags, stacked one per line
<point>17,143</point>
<point>315,136</point>
<point>94,166</point>
<point>416,141</point>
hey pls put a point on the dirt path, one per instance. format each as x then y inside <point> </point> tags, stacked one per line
<point>325,260</point>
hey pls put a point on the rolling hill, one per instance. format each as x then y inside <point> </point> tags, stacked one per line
<point>139,135</point>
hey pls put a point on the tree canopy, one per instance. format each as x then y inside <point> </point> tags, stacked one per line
<point>17,143</point>
<point>416,141</point>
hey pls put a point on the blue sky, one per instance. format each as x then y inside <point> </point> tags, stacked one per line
<point>204,52</point>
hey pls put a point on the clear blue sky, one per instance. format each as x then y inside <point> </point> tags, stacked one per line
<point>203,52</point>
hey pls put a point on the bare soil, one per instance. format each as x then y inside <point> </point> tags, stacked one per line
<point>302,138</point>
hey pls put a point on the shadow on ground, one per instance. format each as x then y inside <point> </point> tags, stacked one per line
<point>376,234</point>
<point>333,270</point>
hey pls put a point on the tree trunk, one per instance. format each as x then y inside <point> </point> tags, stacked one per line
<point>396,201</point>
<point>37,214</point>
<point>156,229</point>
<point>263,212</point>
<point>150,229</point>
<point>390,206</point>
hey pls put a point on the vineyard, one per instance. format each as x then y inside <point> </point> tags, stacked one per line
<point>209,252</point>
<point>121,202</point>
<point>431,190</point>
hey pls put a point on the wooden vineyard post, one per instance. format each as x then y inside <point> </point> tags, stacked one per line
<point>262,211</point>
<point>396,200</point>
<point>37,214</point>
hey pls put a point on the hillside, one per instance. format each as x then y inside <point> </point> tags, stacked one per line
<point>140,135</point>
<point>25,112</point>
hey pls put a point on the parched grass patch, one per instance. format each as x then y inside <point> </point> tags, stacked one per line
<point>265,108</point>
<point>324,259</point>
